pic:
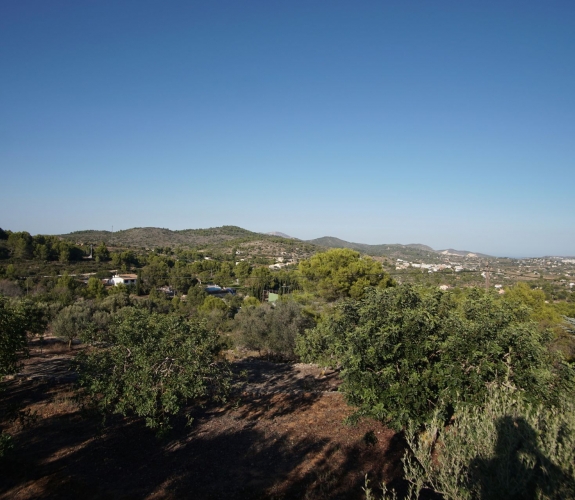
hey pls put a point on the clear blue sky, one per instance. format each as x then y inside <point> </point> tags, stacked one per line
<point>449,123</point>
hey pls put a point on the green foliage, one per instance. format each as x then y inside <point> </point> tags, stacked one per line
<point>181,277</point>
<point>273,328</point>
<point>153,366</point>
<point>101,253</point>
<point>124,259</point>
<point>251,301</point>
<point>505,449</point>
<point>341,273</point>
<point>521,293</point>
<point>21,245</point>
<point>155,273</point>
<point>196,296</point>
<point>16,320</point>
<point>12,337</point>
<point>409,351</point>
<point>260,279</point>
<point>213,303</point>
<point>64,289</point>
<point>72,322</point>
<point>95,288</point>
<point>6,444</point>
<point>242,270</point>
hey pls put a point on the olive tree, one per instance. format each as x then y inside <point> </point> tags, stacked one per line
<point>17,319</point>
<point>408,351</point>
<point>153,366</point>
<point>273,328</point>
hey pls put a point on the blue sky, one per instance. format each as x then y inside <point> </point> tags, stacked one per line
<point>445,123</point>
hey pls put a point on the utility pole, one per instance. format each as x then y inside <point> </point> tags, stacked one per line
<point>487,277</point>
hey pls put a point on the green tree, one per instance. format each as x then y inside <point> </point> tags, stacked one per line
<point>521,293</point>
<point>156,272</point>
<point>242,270</point>
<point>20,245</point>
<point>95,288</point>
<point>273,328</point>
<point>101,253</point>
<point>259,280</point>
<point>17,319</point>
<point>504,449</point>
<point>196,296</point>
<point>408,351</point>
<point>341,273</point>
<point>72,322</point>
<point>213,303</point>
<point>41,252</point>
<point>181,277</point>
<point>154,366</point>
<point>65,289</point>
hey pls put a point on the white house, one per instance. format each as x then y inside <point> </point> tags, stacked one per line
<point>124,279</point>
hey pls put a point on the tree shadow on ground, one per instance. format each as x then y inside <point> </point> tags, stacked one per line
<point>227,453</point>
<point>258,375</point>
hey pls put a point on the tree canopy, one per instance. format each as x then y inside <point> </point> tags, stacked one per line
<point>341,273</point>
<point>153,366</point>
<point>408,350</point>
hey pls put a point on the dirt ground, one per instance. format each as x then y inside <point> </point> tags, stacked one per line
<point>281,436</point>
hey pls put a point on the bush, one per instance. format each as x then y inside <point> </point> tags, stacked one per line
<point>506,449</point>
<point>17,319</point>
<point>273,328</point>
<point>154,365</point>
<point>72,322</point>
<point>408,351</point>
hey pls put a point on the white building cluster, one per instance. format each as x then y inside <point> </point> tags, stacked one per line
<point>431,268</point>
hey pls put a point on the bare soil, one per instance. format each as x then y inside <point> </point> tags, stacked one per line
<point>281,436</point>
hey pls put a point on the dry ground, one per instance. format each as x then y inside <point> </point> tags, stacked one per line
<point>281,436</point>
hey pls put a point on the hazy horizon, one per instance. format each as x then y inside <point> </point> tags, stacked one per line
<point>445,123</point>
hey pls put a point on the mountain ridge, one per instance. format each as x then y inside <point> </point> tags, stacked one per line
<point>150,237</point>
<point>414,250</point>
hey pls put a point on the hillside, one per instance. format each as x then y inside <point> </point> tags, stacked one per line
<point>225,238</point>
<point>412,251</point>
<point>215,239</point>
<point>151,237</point>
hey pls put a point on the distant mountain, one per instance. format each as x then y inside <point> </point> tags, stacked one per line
<point>419,246</point>
<point>332,242</point>
<point>234,236</point>
<point>461,253</point>
<point>282,235</point>
<point>413,251</point>
<point>154,236</point>
<point>151,237</point>
<point>222,239</point>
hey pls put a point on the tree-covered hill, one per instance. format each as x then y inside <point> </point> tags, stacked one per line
<point>409,252</point>
<point>413,251</point>
<point>151,237</point>
<point>219,239</point>
<point>234,236</point>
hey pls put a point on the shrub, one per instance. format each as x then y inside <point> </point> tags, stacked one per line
<point>273,328</point>
<point>154,365</point>
<point>506,449</point>
<point>17,319</point>
<point>407,351</point>
<point>72,322</point>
